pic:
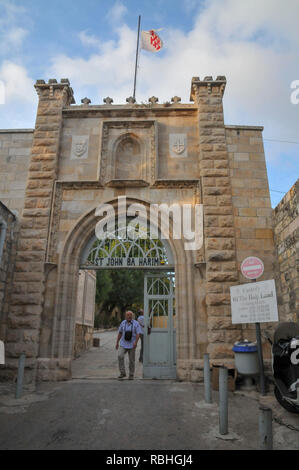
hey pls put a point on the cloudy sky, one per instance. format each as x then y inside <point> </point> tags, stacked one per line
<point>93,43</point>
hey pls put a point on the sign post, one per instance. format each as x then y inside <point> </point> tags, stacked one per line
<point>261,359</point>
<point>255,303</point>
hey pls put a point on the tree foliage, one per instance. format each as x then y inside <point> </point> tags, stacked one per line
<point>119,288</point>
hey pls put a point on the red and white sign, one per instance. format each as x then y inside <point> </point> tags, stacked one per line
<point>150,41</point>
<point>252,268</point>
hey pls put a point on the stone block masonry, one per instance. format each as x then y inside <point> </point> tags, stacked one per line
<point>286,233</point>
<point>15,150</point>
<point>56,193</point>
<point>220,244</point>
<point>251,202</point>
<point>28,283</point>
<point>8,236</point>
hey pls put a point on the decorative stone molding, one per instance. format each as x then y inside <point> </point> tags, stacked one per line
<point>61,186</point>
<point>131,100</point>
<point>86,101</point>
<point>202,268</point>
<point>48,268</point>
<point>178,145</point>
<point>153,100</point>
<point>80,147</point>
<point>177,184</point>
<point>108,100</point>
<point>129,112</point>
<point>176,99</point>
<point>140,134</point>
<point>127,183</point>
<point>54,223</point>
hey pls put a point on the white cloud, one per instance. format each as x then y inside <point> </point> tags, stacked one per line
<point>19,94</point>
<point>15,37</point>
<point>16,86</point>
<point>116,14</point>
<point>89,40</point>
<point>109,70</point>
<point>12,32</point>
<point>19,87</point>
<point>191,5</point>
<point>254,44</point>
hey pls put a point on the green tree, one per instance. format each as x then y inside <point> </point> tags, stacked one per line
<point>117,288</point>
<point>104,286</point>
<point>128,288</point>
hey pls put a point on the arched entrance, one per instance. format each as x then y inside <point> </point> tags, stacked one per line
<point>126,248</point>
<point>76,248</point>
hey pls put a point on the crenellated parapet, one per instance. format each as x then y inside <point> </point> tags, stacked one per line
<point>208,86</point>
<point>54,90</point>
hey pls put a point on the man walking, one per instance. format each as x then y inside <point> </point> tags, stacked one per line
<point>127,339</point>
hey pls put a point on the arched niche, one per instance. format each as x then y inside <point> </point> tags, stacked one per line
<point>128,158</point>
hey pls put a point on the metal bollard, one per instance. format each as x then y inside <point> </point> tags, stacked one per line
<point>207,379</point>
<point>20,378</point>
<point>265,429</point>
<point>223,401</point>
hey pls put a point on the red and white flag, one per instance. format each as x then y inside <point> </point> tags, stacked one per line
<point>150,41</point>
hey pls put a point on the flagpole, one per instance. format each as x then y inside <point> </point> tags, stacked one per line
<point>137,52</point>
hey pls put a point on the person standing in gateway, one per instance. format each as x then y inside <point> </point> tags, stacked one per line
<point>127,339</point>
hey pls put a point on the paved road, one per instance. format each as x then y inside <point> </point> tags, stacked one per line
<point>102,363</point>
<point>94,412</point>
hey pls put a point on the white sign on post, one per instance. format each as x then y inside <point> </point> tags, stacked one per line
<point>254,303</point>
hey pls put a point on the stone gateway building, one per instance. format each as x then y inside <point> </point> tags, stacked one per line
<point>54,178</point>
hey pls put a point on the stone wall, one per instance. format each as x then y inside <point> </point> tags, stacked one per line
<point>219,231</point>
<point>85,312</point>
<point>8,234</point>
<point>178,119</point>
<point>186,155</point>
<point>26,305</point>
<point>286,232</point>
<point>251,203</point>
<point>15,150</point>
<point>83,339</point>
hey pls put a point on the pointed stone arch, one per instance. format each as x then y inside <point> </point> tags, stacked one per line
<point>58,367</point>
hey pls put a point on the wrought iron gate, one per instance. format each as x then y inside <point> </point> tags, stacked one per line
<point>159,311</point>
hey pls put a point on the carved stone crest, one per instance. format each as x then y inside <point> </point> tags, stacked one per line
<point>80,147</point>
<point>178,145</point>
